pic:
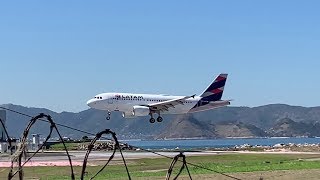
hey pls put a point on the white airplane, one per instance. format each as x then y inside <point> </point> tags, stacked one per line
<point>133,105</point>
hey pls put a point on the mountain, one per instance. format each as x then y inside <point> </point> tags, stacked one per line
<point>268,120</point>
<point>239,130</point>
<point>186,126</point>
<point>286,127</point>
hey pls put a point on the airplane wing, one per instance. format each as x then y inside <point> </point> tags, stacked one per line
<point>165,105</point>
<point>210,105</point>
<point>216,104</point>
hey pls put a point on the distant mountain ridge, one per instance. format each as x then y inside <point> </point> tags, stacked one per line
<point>262,121</point>
<point>286,127</point>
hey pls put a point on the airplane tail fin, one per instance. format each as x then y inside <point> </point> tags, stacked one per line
<point>215,90</point>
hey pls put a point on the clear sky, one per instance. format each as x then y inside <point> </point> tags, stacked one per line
<point>58,54</point>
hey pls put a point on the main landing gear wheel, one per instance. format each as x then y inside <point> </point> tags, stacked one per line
<point>159,119</point>
<point>152,120</point>
<point>108,118</point>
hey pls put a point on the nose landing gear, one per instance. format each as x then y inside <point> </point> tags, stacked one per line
<point>109,115</point>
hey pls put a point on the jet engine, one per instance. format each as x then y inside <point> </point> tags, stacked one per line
<point>140,111</point>
<point>127,115</point>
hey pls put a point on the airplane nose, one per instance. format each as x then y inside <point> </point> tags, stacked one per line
<point>90,102</point>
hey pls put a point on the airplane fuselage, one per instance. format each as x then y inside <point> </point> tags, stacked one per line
<point>124,102</point>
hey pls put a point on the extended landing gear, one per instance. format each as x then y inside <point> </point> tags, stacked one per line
<point>109,115</point>
<point>152,120</point>
<point>159,119</point>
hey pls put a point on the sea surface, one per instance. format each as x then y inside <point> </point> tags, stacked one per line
<point>216,143</point>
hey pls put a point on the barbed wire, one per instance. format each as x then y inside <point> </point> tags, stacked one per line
<point>90,147</point>
<point>184,165</point>
<point>22,150</point>
<point>136,147</point>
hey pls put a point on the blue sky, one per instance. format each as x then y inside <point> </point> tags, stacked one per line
<point>58,54</point>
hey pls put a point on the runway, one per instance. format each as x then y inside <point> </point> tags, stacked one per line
<point>55,158</point>
<point>95,158</point>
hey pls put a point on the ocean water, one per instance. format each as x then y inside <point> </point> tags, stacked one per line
<point>217,143</point>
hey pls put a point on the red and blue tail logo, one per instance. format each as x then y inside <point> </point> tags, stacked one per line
<point>215,90</point>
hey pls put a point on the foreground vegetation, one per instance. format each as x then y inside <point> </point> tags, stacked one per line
<point>157,168</point>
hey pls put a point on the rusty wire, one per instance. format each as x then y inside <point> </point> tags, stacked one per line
<point>90,147</point>
<point>23,146</point>
<point>184,165</point>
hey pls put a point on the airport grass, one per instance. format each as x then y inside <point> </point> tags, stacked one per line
<point>157,167</point>
<point>60,147</point>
